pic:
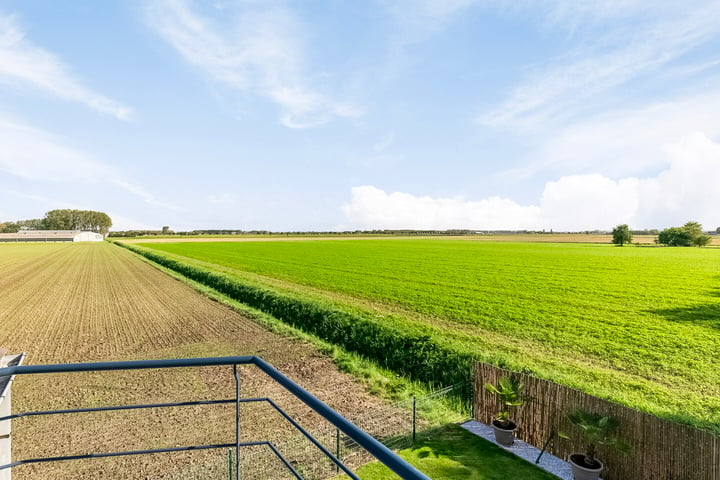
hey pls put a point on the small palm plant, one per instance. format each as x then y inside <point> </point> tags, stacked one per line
<point>510,393</point>
<point>597,430</point>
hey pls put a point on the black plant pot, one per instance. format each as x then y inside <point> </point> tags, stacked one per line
<point>504,435</point>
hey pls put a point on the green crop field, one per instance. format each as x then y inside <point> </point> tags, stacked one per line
<point>638,325</point>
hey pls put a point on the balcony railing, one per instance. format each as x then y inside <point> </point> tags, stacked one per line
<point>367,442</point>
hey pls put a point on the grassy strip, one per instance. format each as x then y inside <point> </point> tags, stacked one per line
<point>453,453</point>
<point>407,350</point>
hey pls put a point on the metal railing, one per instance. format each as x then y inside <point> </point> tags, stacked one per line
<point>370,444</point>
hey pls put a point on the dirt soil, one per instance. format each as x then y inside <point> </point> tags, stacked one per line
<point>98,302</point>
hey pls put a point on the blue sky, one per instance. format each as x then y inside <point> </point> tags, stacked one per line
<point>327,115</point>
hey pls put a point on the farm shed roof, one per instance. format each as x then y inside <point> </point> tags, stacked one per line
<point>33,234</point>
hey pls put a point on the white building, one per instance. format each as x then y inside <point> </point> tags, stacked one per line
<point>51,236</point>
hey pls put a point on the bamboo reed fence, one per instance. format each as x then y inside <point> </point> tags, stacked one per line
<point>661,449</point>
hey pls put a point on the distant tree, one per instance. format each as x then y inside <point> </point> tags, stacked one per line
<point>87,220</point>
<point>9,227</point>
<point>165,229</point>
<point>717,230</point>
<point>690,234</point>
<point>697,236</point>
<point>622,235</point>
<point>674,237</point>
<point>702,240</point>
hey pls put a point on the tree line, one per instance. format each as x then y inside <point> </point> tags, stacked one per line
<point>65,219</point>
<point>689,235</point>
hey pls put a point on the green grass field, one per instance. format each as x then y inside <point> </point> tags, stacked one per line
<point>638,325</point>
<point>452,453</point>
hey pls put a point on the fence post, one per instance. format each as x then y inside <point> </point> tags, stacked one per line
<point>337,448</point>
<point>6,411</point>
<point>414,415</point>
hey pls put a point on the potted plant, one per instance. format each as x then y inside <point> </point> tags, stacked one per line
<point>596,430</point>
<point>509,392</point>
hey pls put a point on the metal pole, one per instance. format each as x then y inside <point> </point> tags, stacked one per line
<point>337,448</point>
<point>230,462</point>
<point>414,415</point>
<point>547,442</point>
<point>237,422</point>
<point>5,432</point>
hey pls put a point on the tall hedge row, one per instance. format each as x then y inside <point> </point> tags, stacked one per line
<point>407,350</point>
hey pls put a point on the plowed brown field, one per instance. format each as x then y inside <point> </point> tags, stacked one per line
<point>96,302</point>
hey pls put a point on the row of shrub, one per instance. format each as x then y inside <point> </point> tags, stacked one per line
<point>408,350</point>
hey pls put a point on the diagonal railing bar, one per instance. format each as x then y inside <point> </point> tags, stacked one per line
<point>284,460</point>
<point>314,441</point>
<point>374,447</point>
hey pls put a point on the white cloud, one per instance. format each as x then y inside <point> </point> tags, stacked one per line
<point>141,192</point>
<point>260,53</point>
<point>372,208</point>
<point>29,198</point>
<point>624,142</point>
<point>24,63</point>
<point>608,58</point>
<point>686,190</point>
<point>38,156</point>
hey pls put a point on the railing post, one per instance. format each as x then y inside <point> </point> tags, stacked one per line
<point>237,422</point>
<point>5,430</point>
<point>6,411</point>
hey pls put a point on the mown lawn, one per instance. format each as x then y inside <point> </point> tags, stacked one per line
<point>452,453</point>
<point>638,325</point>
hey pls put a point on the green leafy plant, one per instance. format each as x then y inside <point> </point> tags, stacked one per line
<point>510,394</point>
<point>596,430</point>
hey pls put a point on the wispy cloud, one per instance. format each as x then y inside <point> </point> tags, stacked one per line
<point>30,198</point>
<point>256,49</point>
<point>34,154</point>
<point>685,190</point>
<point>23,63</point>
<point>141,192</point>
<point>629,141</point>
<point>38,156</point>
<point>608,56</point>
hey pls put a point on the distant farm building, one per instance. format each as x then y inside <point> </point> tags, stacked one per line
<point>51,236</point>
